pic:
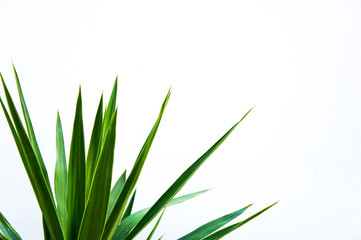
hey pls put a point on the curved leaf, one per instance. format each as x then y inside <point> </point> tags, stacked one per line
<point>212,226</point>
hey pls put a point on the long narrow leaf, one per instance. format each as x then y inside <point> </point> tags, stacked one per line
<point>129,208</point>
<point>110,108</point>
<point>61,173</point>
<point>223,232</point>
<point>7,230</point>
<point>32,137</point>
<point>98,200</point>
<point>177,185</point>
<point>94,147</point>
<point>32,167</point>
<point>3,237</point>
<point>155,226</point>
<point>118,210</point>
<point>30,129</point>
<point>212,226</point>
<point>114,194</point>
<point>46,231</point>
<point>75,199</point>
<point>127,225</point>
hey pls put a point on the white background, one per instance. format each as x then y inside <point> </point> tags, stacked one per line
<point>298,62</point>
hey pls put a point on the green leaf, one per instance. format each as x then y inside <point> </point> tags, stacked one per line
<point>118,210</point>
<point>3,237</point>
<point>6,230</point>
<point>129,208</point>
<point>61,173</point>
<point>223,232</point>
<point>155,226</point>
<point>127,225</point>
<point>38,181</point>
<point>30,129</point>
<point>94,147</point>
<point>75,199</point>
<point>46,231</point>
<point>98,200</point>
<point>212,226</point>
<point>110,108</point>
<point>32,137</point>
<point>177,185</point>
<point>114,194</point>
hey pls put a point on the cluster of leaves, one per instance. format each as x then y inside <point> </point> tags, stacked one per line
<point>85,205</point>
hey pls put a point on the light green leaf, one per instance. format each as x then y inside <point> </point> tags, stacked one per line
<point>155,226</point>
<point>116,191</point>
<point>3,237</point>
<point>128,224</point>
<point>177,185</point>
<point>32,167</point>
<point>118,210</point>
<point>75,199</point>
<point>98,200</point>
<point>223,232</point>
<point>61,173</point>
<point>6,230</point>
<point>212,226</point>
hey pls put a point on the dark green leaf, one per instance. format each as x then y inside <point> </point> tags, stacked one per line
<point>110,108</point>
<point>98,200</point>
<point>75,199</point>
<point>119,207</point>
<point>30,129</point>
<point>177,185</point>
<point>32,167</point>
<point>46,231</point>
<point>129,208</point>
<point>223,232</point>
<point>125,226</point>
<point>94,147</point>
<point>212,226</point>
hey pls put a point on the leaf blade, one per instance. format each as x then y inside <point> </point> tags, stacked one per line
<point>94,147</point>
<point>75,200</point>
<point>213,225</point>
<point>155,226</point>
<point>114,194</point>
<point>119,207</point>
<point>128,223</point>
<point>61,173</point>
<point>98,200</point>
<point>30,129</point>
<point>7,230</point>
<point>110,108</point>
<point>178,184</point>
<point>225,231</point>
<point>33,169</point>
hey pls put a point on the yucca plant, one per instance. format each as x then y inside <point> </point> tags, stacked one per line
<point>85,206</point>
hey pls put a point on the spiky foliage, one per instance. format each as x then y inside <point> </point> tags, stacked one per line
<point>85,206</point>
